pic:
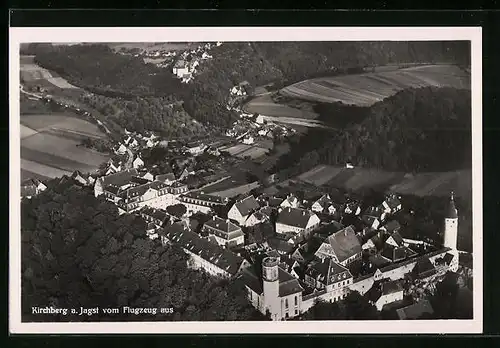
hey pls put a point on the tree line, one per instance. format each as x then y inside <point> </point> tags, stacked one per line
<point>417,130</point>
<point>78,252</point>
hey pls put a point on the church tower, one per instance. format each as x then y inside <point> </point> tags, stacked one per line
<point>271,286</point>
<point>451,225</point>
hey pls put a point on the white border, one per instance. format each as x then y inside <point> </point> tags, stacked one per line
<point>193,34</point>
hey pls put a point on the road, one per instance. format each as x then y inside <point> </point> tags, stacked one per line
<point>130,159</point>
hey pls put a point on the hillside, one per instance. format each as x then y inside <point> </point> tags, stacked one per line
<point>416,130</point>
<point>100,69</point>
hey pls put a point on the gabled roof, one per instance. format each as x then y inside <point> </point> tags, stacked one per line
<point>247,205</point>
<point>344,243</point>
<point>424,268</point>
<point>294,217</point>
<point>396,237</point>
<point>391,287</point>
<point>393,201</point>
<point>222,225</point>
<point>394,253</point>
<point>205,197</point>
<point>119,179</point>
<point>323,271</point>
<point>218,256</point>
<point>392,226</point>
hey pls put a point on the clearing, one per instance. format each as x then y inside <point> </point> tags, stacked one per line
<point>368,88</point>
<point>421,184</point>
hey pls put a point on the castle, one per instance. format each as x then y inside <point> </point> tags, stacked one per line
<point>276,290</point>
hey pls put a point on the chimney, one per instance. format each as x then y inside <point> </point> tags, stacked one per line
<point>213,218</point>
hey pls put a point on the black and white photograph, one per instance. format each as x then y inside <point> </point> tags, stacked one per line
<point>245,180</point>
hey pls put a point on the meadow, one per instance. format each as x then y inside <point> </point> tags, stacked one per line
<point>32,73</point>
<point>421,184</point>
<point>368,88</point>
<point>50,145</point>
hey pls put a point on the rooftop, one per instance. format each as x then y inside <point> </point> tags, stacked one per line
<point>345,243</point>
<point>247,205</point>
<point>294,217</point>
<point>213,253</point>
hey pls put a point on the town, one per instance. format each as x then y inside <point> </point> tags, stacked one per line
<point>290,248</point>
<point>292,243</point>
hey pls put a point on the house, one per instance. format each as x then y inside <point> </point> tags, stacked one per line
<point>296,220</point>
<point>342,246</point>
<point>181,68</point>
<point>383,293</point>
<point>273,290</point>
<point>195,148</point>
<point>291,201</point>
<point>121,149</point>
<point>203,254</point>
<point>201,202</point>
<point>353,208</point>
<point>241,210</point>
<point>225,232</point>
<point>330,276</point>
<point>396,253</point>
<point>159,217</point>
<point>395,240</point>
<point>260,216</point>
<point>118,180</point>
<point>131,142</point>
<point>32,187</point>
<point>325,205</point>
<point>248,140</point>
<point>415,311</point>
<point>392,204</point>
<point>260,119</point>
<point>391,227</point>
<point>370,221</point>
<point>138,162</point>
<point>113,167</point>
<point>83,179</point>
<point>205,55</point>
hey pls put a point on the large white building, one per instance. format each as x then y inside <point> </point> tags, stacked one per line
<point>212,258</point>
<point>224,232</point>
<point>296,220</point>
<point>199,202</point>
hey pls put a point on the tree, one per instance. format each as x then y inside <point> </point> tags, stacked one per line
<point>177,210</point>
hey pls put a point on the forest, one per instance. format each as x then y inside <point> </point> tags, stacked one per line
<point>78,252</point>
<point>417,130</point>
<point>99,69</point>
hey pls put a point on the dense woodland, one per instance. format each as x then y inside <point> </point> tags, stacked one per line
<point>99,69</point>
<point>77,252</point>
<point>416,130</point>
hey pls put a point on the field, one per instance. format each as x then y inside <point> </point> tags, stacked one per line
<point>369,88</point>
<point>238,190</point>
<point>265,105</point>
<point>151,46</point>
<point>244,150</point>
<point>49,145</point>
<point>32,73</point>
<point>422,184</point>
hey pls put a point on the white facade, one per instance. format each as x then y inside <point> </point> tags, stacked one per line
<point>450,232</point>
<point>248,140</point>
<point>388,298</point>
<point>224,242</point>
<point>138,162</point>
<point>313,222</point>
